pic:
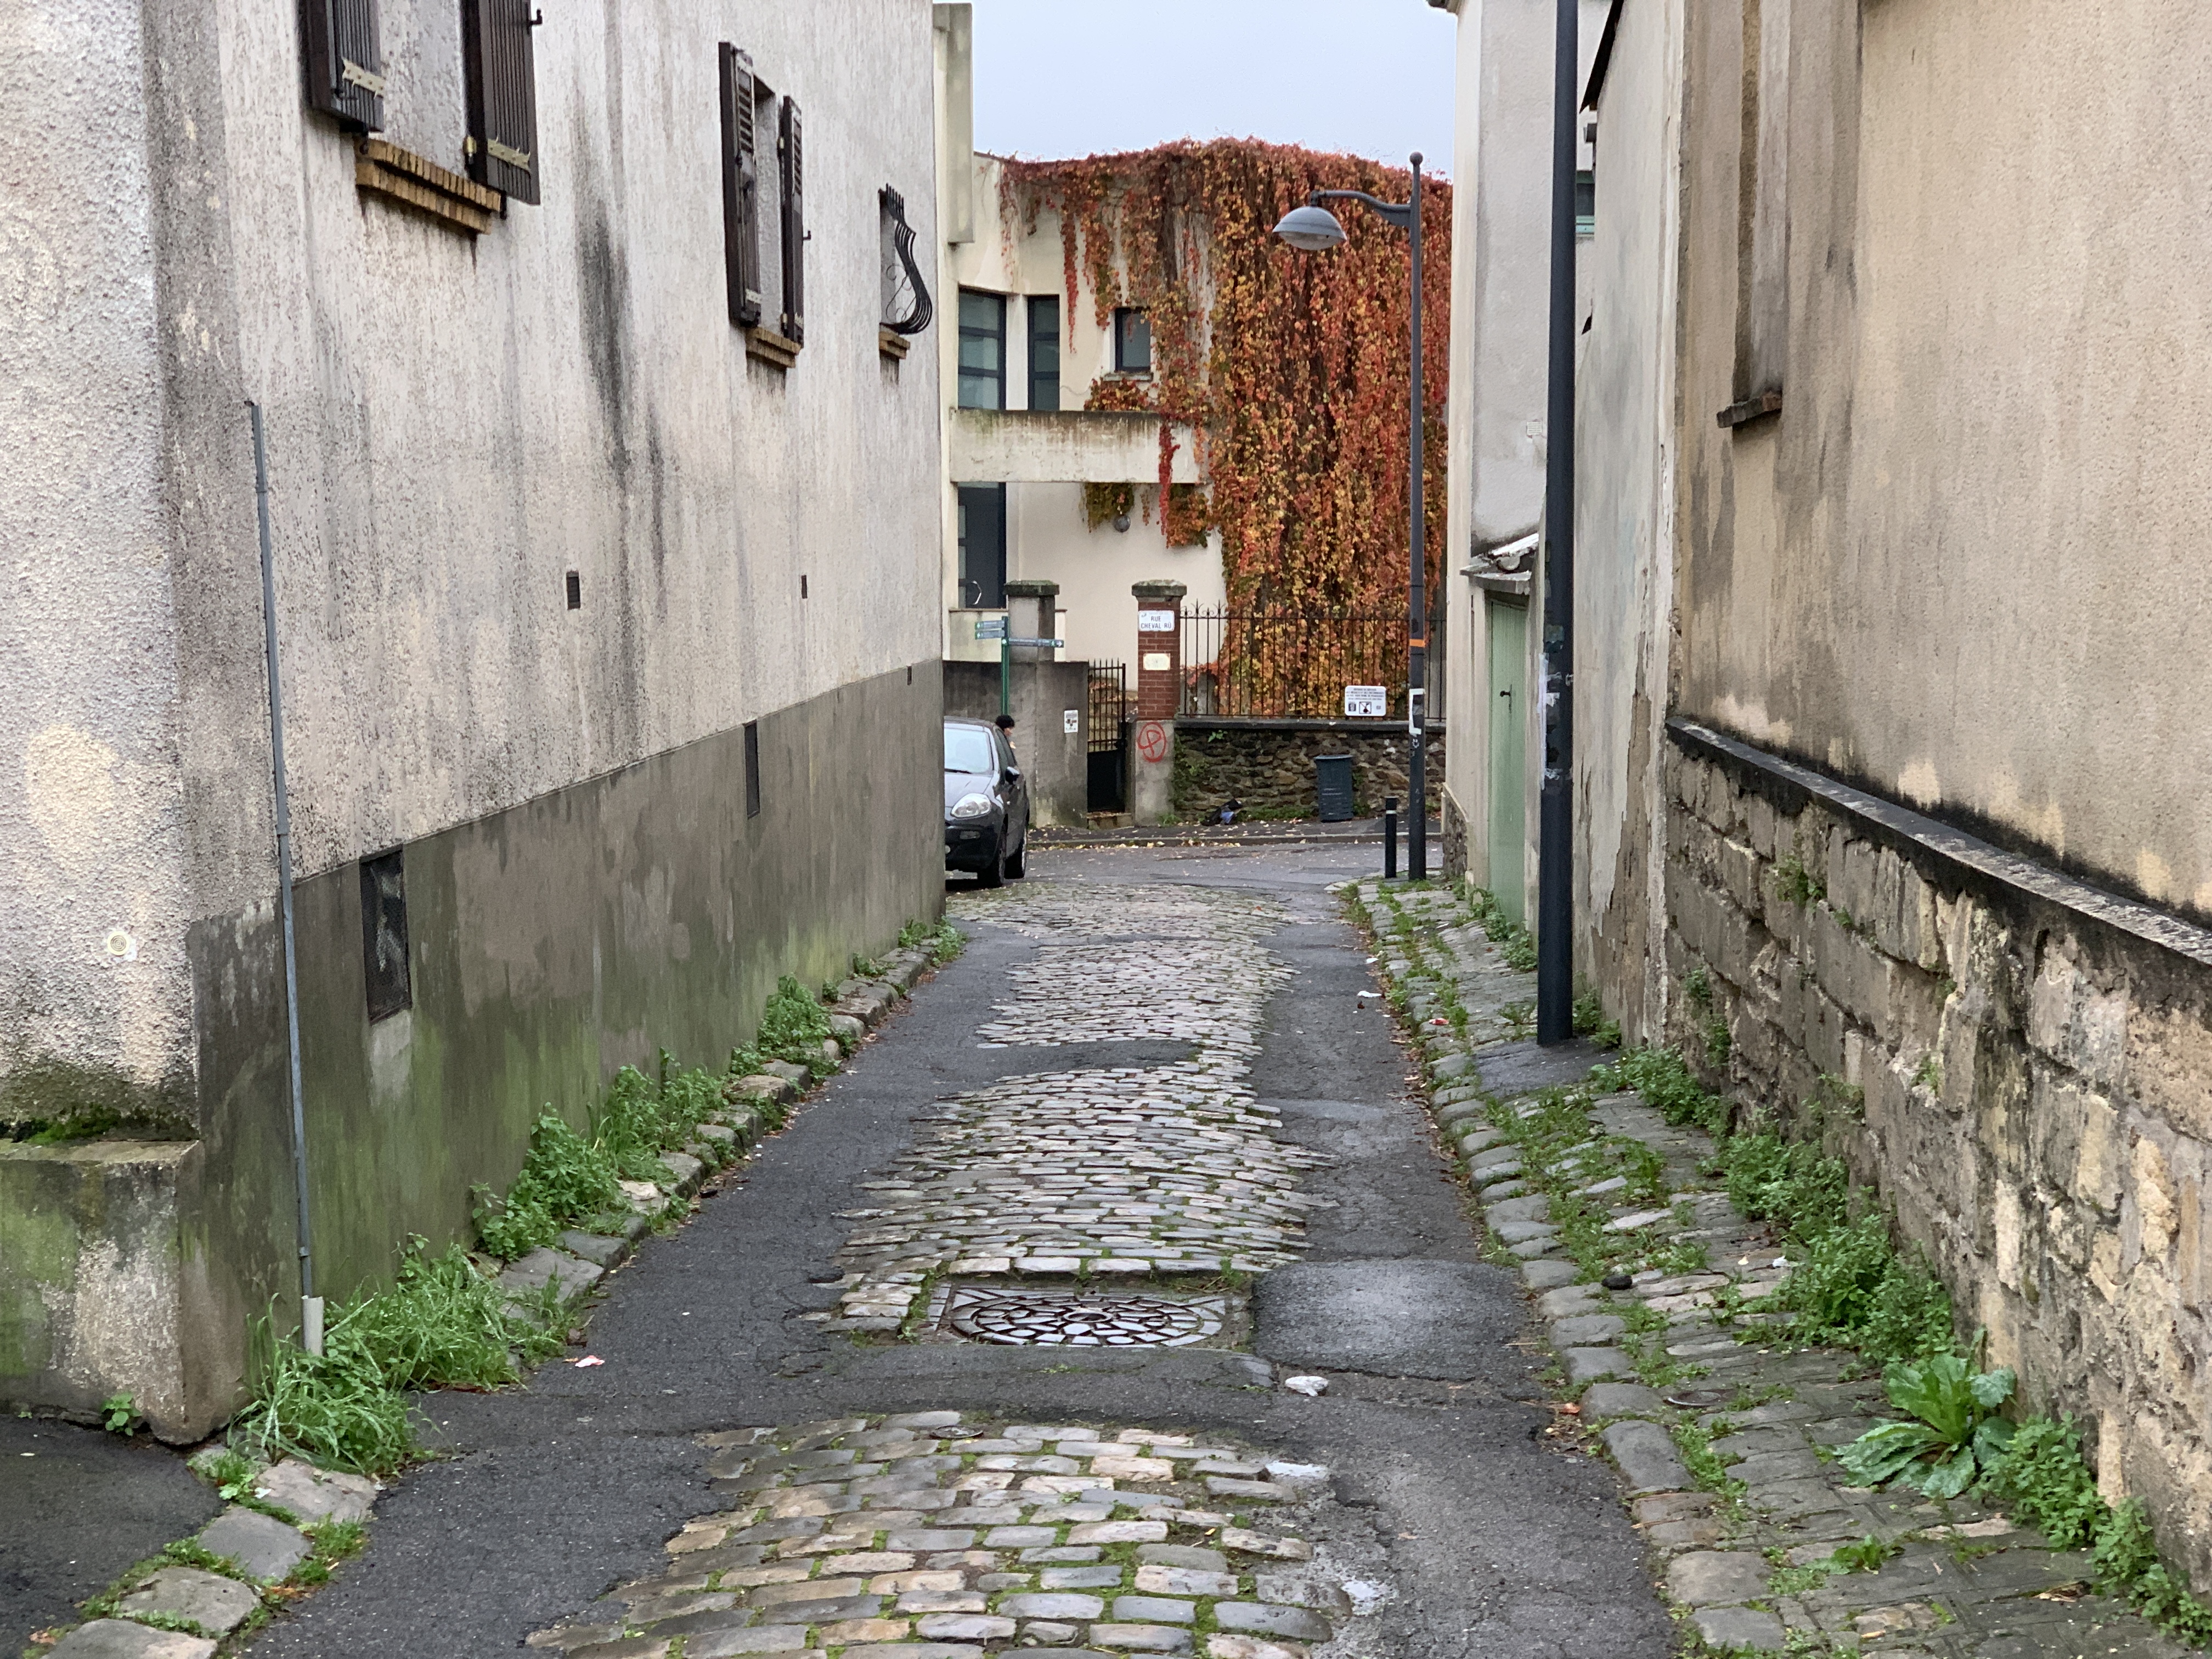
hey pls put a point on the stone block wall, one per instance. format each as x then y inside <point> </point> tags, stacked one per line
<point>1269,764</point>
<point>2021,1064</point>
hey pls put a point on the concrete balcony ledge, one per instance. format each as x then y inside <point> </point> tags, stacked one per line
<point>1026,446</point>
<point>99,1293</point>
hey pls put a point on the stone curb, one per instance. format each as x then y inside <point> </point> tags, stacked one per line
<point>1782,1505</point>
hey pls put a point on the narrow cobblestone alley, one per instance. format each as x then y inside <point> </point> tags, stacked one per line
<point>989,1349</point>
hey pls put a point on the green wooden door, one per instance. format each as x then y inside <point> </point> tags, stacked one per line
<point>1509,706</point>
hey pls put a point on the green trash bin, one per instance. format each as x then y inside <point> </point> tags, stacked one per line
<point>1333,787</point>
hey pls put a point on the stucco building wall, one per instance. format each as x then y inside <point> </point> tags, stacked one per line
<point>1951,571</point>
<point>1625,513</point>
<point>1984,494</point>
<point>454,424</point>
<point>1499,376</point>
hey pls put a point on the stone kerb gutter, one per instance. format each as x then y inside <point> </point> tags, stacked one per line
<point>1724,1435</point>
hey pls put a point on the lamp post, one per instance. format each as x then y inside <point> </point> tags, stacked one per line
<point>1313,229</point>
<point>1555,900</point>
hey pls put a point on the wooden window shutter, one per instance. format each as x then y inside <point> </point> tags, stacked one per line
<point>794,224</point>
<point>345,61</point>
<point>502,76</point>
<point>740,187</point>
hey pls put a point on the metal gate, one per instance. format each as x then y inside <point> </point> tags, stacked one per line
<point>1109,727</point>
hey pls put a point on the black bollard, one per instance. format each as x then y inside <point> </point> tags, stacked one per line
<point>1390,837</point>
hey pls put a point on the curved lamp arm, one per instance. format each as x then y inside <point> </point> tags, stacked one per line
<point>1400,214</point>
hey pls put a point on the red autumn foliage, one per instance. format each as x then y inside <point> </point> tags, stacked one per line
<point>1292,368</point>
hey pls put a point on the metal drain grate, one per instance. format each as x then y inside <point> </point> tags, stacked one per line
<point>1073,1319</point>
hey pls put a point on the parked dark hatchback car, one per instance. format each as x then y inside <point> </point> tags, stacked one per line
<point>987,802</point>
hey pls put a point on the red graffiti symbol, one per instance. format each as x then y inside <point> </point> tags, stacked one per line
<point>1152,740</point>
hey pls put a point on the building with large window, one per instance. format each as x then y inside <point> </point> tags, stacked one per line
<point>1041,483</point>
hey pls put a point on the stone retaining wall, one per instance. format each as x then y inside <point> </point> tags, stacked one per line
<point>2022,1065</point>
<point>1269,765</point>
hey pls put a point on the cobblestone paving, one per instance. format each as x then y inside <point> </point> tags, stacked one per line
<point>1740,1556</point>
<point>932,1536</point>
<point>1122,1172</point>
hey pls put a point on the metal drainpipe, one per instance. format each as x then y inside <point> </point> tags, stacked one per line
<point>311,1305</point>
<point>1555,916</point>
<point>1416,644</point>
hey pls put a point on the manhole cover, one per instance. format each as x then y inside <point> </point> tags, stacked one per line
<point>1074,1319</point>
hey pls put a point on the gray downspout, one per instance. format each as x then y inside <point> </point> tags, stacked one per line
<point>311,1305</point>
<point>1555,893</point>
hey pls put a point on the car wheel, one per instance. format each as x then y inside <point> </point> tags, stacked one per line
<point>994,874</point>
<point>1019,865</point>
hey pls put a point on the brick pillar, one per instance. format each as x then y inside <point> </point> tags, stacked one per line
<point>1159,693</point>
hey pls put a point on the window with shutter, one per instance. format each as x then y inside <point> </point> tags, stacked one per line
<point>740,187</point>
<point>344,61</point>
<point>794,224</point>
<point>502,76</point>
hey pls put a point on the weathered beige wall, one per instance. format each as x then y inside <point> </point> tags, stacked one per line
<point>453,424</point>
<point>95,1006</point>
<point>1624,517</point>
<point>1958,564</point>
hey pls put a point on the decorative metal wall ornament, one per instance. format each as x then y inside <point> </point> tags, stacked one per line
<point>907,306</point>
<point>1025,1317</point>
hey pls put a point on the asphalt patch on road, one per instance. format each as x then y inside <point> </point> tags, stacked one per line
<point>1445,1321</point>
<point>77,1507</point>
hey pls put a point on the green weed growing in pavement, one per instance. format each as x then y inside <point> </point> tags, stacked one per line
<point>1665,1081</point>
<point>1797,1580</point>
<point>794,1025</point>
<point>1682,1256</point>
<point>943,939</point>
<point>334,1408</point>
<point>1514,942</point>
<point>1790,1183</point>
<point>2043,1480</point>
<point>334,1541</point>
<point>232,1476</point>
<point>1950,1435</point>
<point>443,1323</point>
<point>1589,1021</point>
<point>1851,1288</point>
<point>1645,1170</point>
<point>564,1178</point>
<point>570,1178</point>
<point>1707,1471</point>
<point>1867,1555</point>
<point>2127,1564</point>
<point>118,1414</point>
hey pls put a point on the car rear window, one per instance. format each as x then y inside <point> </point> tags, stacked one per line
<point>967,748</point>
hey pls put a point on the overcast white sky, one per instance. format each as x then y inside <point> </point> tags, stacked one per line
<point>1059,78</point>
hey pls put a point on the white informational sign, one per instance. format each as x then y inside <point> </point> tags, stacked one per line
<point>1156,622</point>
<point>1071,720</point>
<point>1155,662</point>
<point>990,628</point>
<point>1367,703</point>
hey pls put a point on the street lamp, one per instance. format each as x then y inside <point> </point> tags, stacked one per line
<point>1313,230</point>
